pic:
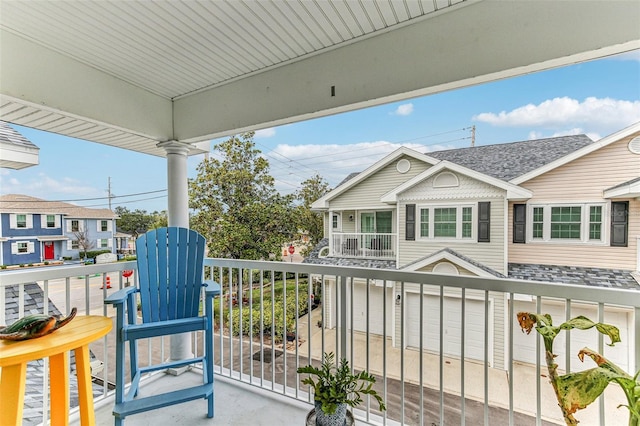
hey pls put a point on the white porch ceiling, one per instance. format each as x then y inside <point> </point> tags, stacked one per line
<point>135,73</point>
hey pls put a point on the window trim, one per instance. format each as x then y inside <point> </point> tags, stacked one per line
<point>338,217</point>
<point>585,211</point>
<point>459,214</point>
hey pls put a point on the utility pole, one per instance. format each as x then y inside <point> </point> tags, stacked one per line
<point>473,135</point>
<point>109,195</point>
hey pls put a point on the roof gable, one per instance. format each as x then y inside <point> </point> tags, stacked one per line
<point>514,192</point>
<point>352,180</point>
<point>587,149</point>
<point>455,258</point>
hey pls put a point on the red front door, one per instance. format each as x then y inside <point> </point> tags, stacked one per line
<point>48,251</point>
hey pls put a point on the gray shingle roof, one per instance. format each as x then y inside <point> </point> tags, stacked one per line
<point>510,160</point>
<point>629,182</point>
<point>10,136</point>
<point>17,203</point>
<point>596,277</point>
<point>461,257</point>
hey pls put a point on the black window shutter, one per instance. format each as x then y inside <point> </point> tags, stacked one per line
<point>410,222</point>
<point>619,223</point>
<point>484,221</point>
<point>519,223</point>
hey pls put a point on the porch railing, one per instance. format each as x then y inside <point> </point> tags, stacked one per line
<point>363,245</point>
<point>398,325</point>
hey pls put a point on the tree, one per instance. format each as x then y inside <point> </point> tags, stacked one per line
<point>236,206</point>
<point>308,220</point>
<point>84,243</point>
<point>134,223</point>
<point>160,219</point>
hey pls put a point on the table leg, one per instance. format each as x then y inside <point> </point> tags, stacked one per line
<point>85,390</point>
<point>59,378</point>
<point>13,379</point>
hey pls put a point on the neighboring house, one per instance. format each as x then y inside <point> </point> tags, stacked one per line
<point>125,243</point>
<point>564,209</point>
<point>16,151</point>
<point>33,230</point>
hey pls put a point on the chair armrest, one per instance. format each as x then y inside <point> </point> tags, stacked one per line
<point>212,288</point>
<point>120,296</point>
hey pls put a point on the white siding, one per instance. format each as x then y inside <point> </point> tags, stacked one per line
<point>366,194</point>
<point>490,254</point>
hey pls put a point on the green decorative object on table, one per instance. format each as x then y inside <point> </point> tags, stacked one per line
<point>33,326</point>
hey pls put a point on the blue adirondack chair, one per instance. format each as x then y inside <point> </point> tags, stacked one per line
<point>170,274</point>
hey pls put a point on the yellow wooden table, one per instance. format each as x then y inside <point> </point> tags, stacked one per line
<point>14,357</point>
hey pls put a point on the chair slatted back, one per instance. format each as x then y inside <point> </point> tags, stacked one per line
<point>170,262</point>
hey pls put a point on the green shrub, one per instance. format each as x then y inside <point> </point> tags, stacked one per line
<point>3,266</point>
<point>94,253</point>
<point>66,258</point>
<point>272,313</point>
<point>46,262</point>
<point>22,265</point>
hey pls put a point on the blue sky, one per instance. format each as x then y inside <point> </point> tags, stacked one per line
<point>596,98</point>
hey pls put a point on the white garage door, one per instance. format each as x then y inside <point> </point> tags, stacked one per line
<point>524,345</point>
<point>376,299</point>
<point>474,329</point>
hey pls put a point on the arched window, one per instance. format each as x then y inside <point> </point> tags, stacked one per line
<point>445,180</point>
<point>446,268</point>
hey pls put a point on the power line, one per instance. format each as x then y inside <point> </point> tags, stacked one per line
<point>83,199</point>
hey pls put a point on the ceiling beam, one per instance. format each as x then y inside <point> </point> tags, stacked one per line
<point>462,46</point>
<point>36,76</point>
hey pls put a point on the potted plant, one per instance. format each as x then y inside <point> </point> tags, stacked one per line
<point>574,391</point>
<point>335,387</point>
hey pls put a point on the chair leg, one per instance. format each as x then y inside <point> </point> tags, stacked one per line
<point>210,403</point>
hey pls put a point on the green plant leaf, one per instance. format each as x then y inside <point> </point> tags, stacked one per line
<point>577,390</point>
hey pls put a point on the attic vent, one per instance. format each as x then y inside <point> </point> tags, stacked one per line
<point>445,180</point>
<point>634,145</point>
<point>403,166</point>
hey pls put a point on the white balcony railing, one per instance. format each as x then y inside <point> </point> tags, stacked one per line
<point>363,245</point>
<point>426,373</point>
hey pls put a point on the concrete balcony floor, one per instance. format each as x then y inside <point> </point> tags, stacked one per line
<point>235,404</point>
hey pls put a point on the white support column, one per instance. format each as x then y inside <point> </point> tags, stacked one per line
<point>178,215</point>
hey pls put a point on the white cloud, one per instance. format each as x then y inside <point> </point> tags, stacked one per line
<point>292,164</point>
<point>562,112</point>
<point>404,109</point>
<point>48,188</point>
<point>265,133</point>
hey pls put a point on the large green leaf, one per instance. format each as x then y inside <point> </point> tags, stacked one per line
<point>577,390</point>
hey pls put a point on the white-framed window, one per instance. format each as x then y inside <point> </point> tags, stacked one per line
<point>448,221</point>
<point>75,225</point>
<point>23,247</point>
<point>20,221</point>
<point>104,243</point>
<point>73,245</point>
<point>568,222</point>
<point>104,225</point>
<point>49,221</point>
<point>335,221</point>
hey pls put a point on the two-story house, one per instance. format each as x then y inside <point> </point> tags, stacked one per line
<point>563,209</point>
<point>34,230</point>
